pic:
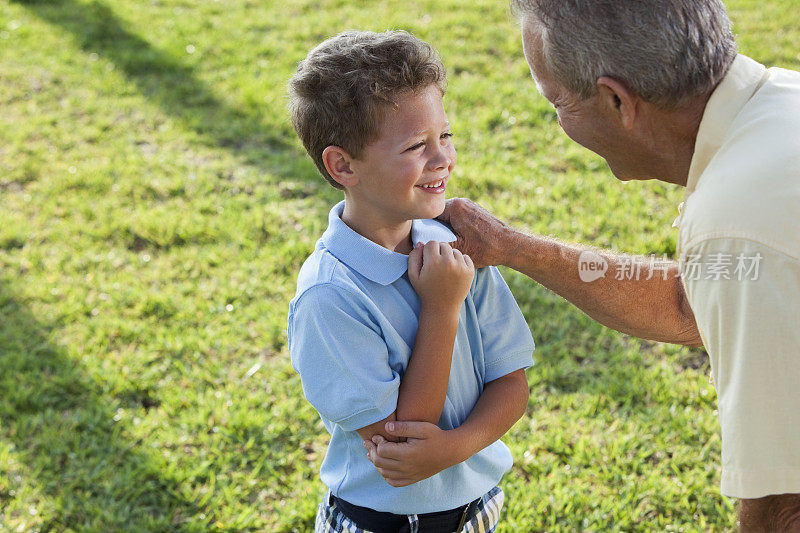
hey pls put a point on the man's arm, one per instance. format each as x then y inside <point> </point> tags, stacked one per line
<point>442,278</point>
<point>654,308</point>
<point>428,449</point>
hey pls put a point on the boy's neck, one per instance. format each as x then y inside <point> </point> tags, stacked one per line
<point>393,235</point>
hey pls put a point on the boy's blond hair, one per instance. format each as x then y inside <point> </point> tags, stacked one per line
<point>341,90</point>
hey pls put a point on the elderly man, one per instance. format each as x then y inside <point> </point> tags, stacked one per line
<point>658,90</point>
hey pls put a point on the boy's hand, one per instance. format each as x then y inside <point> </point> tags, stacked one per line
<point>427,451</point>
<point>440,274</point>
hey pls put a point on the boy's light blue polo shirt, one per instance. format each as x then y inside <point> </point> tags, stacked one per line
<point>352,326</point>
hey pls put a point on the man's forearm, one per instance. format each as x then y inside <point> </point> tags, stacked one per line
<point>424,385</point>
<point>650,305</point>
<point>502,402</point>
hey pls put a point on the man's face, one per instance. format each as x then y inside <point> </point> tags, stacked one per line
<point>588,122</point>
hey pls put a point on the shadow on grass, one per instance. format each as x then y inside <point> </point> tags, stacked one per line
<point>64,433</point>
<point>171,84</point>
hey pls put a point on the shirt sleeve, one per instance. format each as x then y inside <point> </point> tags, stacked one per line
<point>342,358</point>
<point>507,340</point>
<point>746,300</point>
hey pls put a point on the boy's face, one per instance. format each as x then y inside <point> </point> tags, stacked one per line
<point>403,174</point>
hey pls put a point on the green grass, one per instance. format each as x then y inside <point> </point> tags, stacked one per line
<point>155,208</point>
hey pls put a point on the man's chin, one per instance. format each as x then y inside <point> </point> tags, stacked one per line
<point>624,177</point>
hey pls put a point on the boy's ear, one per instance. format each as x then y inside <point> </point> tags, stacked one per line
<point>619,100</point>
<point>338,164</point>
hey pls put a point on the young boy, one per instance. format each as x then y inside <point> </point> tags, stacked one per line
<point>383,330</point>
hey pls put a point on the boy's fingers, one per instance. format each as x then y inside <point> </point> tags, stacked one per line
<point>390,450</point>
<point>388,473</point>
<point>468,260</point>
<point>414,430</point>
<point>415,260</point>
<point>390,465</point>
<point>430,250</point>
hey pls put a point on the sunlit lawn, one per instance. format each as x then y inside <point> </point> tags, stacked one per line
<point>155,208</point>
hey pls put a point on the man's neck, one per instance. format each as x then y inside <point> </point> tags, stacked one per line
<point>674,145</point>
<point>392,235</point>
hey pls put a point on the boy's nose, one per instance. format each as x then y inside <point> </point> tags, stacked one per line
<point>440,160</point>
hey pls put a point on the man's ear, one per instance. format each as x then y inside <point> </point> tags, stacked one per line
<point>619,100</point>
<point>338,164</point>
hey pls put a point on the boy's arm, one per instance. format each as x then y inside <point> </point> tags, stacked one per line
<point>502,403</point>
<point>442,278</point>
<point>378,429</point>
<point>424,385</point>
<point>428,449</point>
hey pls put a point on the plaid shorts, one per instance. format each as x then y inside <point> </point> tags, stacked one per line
<point>484,520</point>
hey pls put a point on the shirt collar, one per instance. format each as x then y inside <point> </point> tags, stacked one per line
<point>743,79</point>
<point>370,259</point>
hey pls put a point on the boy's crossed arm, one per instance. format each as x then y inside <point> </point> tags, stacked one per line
<point>441,276</point>
<point>429,449</point>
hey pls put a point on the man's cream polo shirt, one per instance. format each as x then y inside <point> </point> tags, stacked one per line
<point>739,248</point>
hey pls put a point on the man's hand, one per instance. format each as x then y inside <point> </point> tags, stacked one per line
<point>427,451</point>
<point>441,275</point>
<point>484,237</point>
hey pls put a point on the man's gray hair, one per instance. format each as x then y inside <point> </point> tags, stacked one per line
<point>666,51</point>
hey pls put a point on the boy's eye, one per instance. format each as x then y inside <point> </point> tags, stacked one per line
<point>422,143</point>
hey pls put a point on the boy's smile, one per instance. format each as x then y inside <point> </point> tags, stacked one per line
<point>434,187</point>
<point>403,174</point>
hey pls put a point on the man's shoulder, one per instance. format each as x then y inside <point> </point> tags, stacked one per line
<point>750,207</point>
<point>751,187</point>
<point>757,211</point>
<point>772,112</point>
